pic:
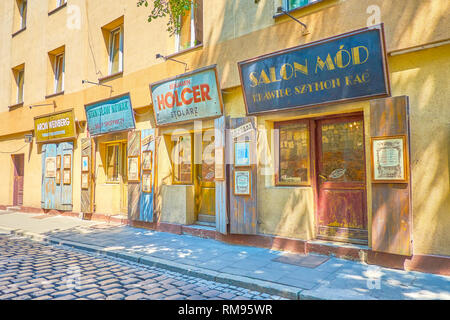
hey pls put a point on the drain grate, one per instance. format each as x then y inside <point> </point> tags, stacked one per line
<point>308,261</point>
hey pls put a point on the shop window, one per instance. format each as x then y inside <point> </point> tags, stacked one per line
<point>294,4</point>
<point>182,160</point>
<point>112,162</point>
<point>293,161</point>
<point>116,50</point>
<point>191,27</point>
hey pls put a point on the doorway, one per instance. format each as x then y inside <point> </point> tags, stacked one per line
<point>18,161</point>
<point>341,180</point>
<point>116,174</point>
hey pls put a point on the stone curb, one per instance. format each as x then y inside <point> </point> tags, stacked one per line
<point>263,286</point>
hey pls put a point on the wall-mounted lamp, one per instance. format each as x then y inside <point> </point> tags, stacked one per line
<point>44,104</point>
<point>96,83</point>
<point>305,27</point>
<point>28,138</point>
<point>159,56</point>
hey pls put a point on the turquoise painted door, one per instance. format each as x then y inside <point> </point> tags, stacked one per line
<point>57,166</point>
<point>147,174</point>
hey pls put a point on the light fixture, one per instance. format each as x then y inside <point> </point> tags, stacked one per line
<point>160,56</point>
<point>28,138</point>
<point>44,104</point>
<point>281,10</point>
<point>97,84</point>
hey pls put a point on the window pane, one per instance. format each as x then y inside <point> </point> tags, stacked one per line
<point>23,14</point>
<point>294,153</point>
<point>115,52</point>
<point>182,160</point>
<point>185,31</point>
<point>112,163</point>
<point>59,73</point>
<point>343,151</point>
<point>292,4</point>
<point>20,82</point>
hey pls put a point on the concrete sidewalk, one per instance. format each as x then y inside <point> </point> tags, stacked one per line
<point>320,277</point>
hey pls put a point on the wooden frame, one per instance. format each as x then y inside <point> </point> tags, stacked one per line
<point>277,161</point>
<point>67,176</point>
<point>248,191</point>
<point>133,162</point>
<point>147,182</point>
<point>84,180</point>
<point>238,161</point>
<point>50,167</point>
<point>147,160</point>
<point>67,161</point>
<point>84,163</point>
<point>58,161</point>
<point>191,181</point>
<point>219,166</point>
<point>58,176</point>
<point>402,160</point>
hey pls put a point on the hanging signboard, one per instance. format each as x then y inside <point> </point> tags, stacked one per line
<point>110,115</point>
<point>187,97</point>
<point>55,126</point>
<point>346,67</point>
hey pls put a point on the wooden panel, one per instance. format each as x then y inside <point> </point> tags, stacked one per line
<point>48,187</point>
<point>18,161</point>
<point>391,203</point>
<point>134,188</point>
<point>221,185</point>
<point>243,213</point>
<point>87,195</point>
<point>66,189</point>
<point>146,199</point>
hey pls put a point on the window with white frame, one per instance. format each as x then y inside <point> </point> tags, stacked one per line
<point>294,4</point>
<point>60,2</point>
<point>20,81</point>
<point>191,27</point>
<point>116,50</point>
<point>23,13</point>
<point>59,72</point>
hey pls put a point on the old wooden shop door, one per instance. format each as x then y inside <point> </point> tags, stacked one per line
<point>341,180</point>
<point>18,161</point>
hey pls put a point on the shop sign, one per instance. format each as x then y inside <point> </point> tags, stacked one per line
<point>346,67</point>
<point>54,127</point>
<point>187,97</point>
<point>110,115</point>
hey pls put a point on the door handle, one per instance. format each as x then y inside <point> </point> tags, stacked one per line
<point>323,177</point>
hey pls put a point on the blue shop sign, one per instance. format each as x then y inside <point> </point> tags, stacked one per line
<point>110,115</point>
<point>345,67</point>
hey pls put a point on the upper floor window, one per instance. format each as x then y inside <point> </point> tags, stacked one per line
<point>294,4</point>
<point>191,27</point>
<point>116,50</point>
<point>20,15</point>
<point>19,77</point>
<point>60,2</point>
<point>59,72</point>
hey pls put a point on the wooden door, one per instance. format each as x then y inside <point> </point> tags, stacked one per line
<point>148,147</point>
<point>341,176</point>
<point>65,150</point>
<point>87,191</point>
<point>48,187</point>
<point>18,161</point>
<point>205,186</point>
<point>123,178</point>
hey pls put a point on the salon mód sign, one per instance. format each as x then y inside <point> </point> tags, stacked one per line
<point>345,67</point>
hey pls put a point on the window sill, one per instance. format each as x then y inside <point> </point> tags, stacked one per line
<point>54,94</point>
<point>17,32</point>
<point>15,106</point>
<point>111,76</point>
<point>57,9</point>
<point>278,15</point>
<point>199,46</point>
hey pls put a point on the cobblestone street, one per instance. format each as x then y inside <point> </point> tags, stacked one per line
<point>32,270</point>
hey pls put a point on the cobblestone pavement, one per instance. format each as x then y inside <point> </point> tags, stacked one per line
<point>33,270</point>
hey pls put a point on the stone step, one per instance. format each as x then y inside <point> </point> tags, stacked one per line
<point>13,208</point>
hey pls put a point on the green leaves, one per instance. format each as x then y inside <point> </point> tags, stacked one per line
<point>174,9</point>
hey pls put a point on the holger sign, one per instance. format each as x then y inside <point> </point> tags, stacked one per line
<point>55,126</point>
<point>115,114</point>
<point>345,67</point>
<point>190,96</point>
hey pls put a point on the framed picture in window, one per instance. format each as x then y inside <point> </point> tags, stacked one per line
<point>147,182</point>
<point>58,162</point>
<point>58,176</point>
<point>50,167</point>
<point>67,161</point>
<point>67,176</point>
<point>389,159</point>
<point>147,157</point>
<point>242,154</point>
<point>242,182</point>
<point>84,180</point>
<point>84,163</point>
<point>133,168</point>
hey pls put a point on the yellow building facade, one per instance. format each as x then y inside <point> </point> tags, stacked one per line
<point>80,54</point>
